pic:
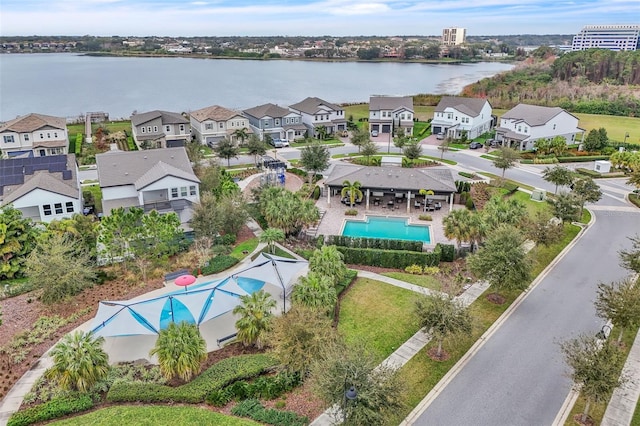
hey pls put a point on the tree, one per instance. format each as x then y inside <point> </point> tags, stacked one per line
<point>227,149</point>
<point>327,261</point>
<point>368,149</point>
<point>426,193</point>
<point>321,132</point>
<point>380,391</point>
<point>352,190</point>
<point>506,160</point>
<point>359,137</point>
<point>558,175</point>
<point>634,179</point>
<point>194,152</point>
<point>630,259</point>
<point>255,316</point>
<point>499,211</point>
<point>241,134</point>
<point>442,316</point>
<point>180,350</point>
<point>457,226</point>
<point>314,158</point>
<point>596,139</point>
<point>618,301</point>
<point>299,337</point>
<point>595,367</point>
<point>256,147</point>
<point>216,180</point>
<point>283,209</point>
<point>116,231</point>
<point>78,361</point>
<point>60,266</point>
<point>18,237</point>
<point>205,220</point>
<point>412,150</point>
<point>543,229</point>
<point>502,261</point>
<point>315,291</point>
<point>272,236</point>
<point>566,206</point>
<point>587,191</point>
<point>225,214</point>
<point>157,236</point>
<point>201,251</point>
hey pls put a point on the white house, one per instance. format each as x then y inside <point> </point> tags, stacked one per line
<point>523,125</point>
<point>160,129</point>
<point>211,124</point>
<point>316,112</point>
<point>34,135</point>
<point>42,188</point>
<point>455,116</point>
<point>157,179</point>
<point>389,114</point>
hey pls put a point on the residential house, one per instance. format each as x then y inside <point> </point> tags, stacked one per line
<point>157,179</point>
<point>391,114</point>
<point>160,129</point>
<point>42,188</point>
<point>277,122</point>
<point>457,116</point>
<point>317,113</point>
<point>34,135</point>
<point>212,124</point>
<point>523,125</point>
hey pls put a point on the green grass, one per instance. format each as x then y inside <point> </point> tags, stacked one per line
<point>442,160</point>
<point>635,421</point>
<point>379,314</point>
<point>532,206</point>
<point>97,195</point>
<point>248,246</point>
<point>586,216</point>
<point>616,126</point>
<point>154,416</point>
<point>543,255</point>
<point>333,142</point>
<point>496,177</point>
<point>426,281</point>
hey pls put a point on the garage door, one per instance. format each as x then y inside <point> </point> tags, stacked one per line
<point>386,128</point>
<point>436,130</point>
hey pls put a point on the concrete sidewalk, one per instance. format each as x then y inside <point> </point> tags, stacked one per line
<point>623,402</point>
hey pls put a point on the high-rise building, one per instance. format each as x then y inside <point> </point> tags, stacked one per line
<point>453,36</point>
<point>611,37</point>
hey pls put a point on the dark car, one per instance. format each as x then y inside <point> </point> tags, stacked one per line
<point>475,145</point>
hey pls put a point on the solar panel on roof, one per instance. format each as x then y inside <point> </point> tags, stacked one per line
<point>66,175</point>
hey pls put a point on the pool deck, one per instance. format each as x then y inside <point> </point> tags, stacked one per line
<point>333,218</point>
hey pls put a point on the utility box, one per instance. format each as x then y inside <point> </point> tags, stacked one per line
<point>602,166</point>
<point>538,194</point>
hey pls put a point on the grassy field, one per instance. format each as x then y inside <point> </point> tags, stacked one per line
<point>426,281</point>
<point>154,416</point>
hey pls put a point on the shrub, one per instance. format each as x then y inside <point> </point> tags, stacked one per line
<point>413,269</point>
<point>469,203</point>
<point>219,264</point>
<point>348,279</point>
<point>468,175</point>
<point>431,270</point>
<point>78,147</point>
<point>388,258</point>
<point>219,397</point>
<point>265,387</point>
<point>377,243</point>
<point>588,172</point>
<point>510,187</point>
<point>582,158</point>
<point>425,217</point>
<point>253,409</point>
<point>53,409</point>
<point>447,252</point>
<point>351,212</point>
<point>316,193</point>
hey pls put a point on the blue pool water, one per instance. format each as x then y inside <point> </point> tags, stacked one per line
<point>393,228</point>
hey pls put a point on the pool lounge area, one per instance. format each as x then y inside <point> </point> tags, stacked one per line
<point>388,227</point>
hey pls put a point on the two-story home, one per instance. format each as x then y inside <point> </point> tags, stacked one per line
<point>42,188</point>
<point>160,129</point>
<point>391,114</point>
<point>212,124</point>
<point>276,121</point>
<point>157,179</point>
<point>523,125</point>
<point>457,116</point>
<point>317,113</point>
<point>34,135</point>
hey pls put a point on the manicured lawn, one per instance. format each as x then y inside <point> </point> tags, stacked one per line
<point>379,314</point>
<point>426,281</point>
<point>443,160</point>
<point>616,126</point>
<point>154,416</point>
<point>97,195</point>
<point>249,246</point>
<point>494,176</point>
<point>636,416</point>
<point>532,206</point>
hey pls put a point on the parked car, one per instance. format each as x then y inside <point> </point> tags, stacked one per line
<point>279,143</point>
<point>475,145</point>
<point>440,136</point>
<point>374,133</point>
<point>344,134</point>
<point>491,142</point>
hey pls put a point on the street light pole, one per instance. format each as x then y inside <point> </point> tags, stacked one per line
<point>626,135</point>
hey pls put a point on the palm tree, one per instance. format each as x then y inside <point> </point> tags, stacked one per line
<point>241,134</point>
<point>321,132</point>
<point>315,291</point>
<point>180,349</point>
<point>327,261</point>
<point>271,236</point>
<point>79,361</point>
<point>255,315</point>
<point>353,190</point>
<point>457,226</point>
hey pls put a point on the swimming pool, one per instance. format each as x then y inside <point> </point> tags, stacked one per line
<point>393,228</point>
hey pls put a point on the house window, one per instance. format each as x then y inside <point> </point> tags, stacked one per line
<point>41,135</point>
<point>221,125</point>
<point>519,129</point>
<point>48,135</point>
<point>192,190</point>
<point>183,191</point>
<point>69,206</point>
<point>142,129</point>
<point>208,126</point>
<point>58,207</point>
<point>174,192</point>
<point>286,121</point>
<point>181,127</point>
<point>554,127</point>
<point>56,151</point>
<point>155,129</point>
<point>55,134</point>
<point>47,209</point>
<point>149,129</point>
<point>26,138</point>
<point>9,139</point>
<point>277,121</point>
<point>167,129</point>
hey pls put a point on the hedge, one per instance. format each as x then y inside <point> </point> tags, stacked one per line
<point>388,258</point>
<point>374,243</point>
<point>218,264</point>
<point>253,409</point>
<point>78,146</point>
<point>447,252</point>
<point>53,409</point>
<point>467,175</point>
<point>265,387</point>
<point>588,172</point>
<point>216,377</point>
<point>583,158</point>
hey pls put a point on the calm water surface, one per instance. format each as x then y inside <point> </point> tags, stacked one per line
<point>69,84</point>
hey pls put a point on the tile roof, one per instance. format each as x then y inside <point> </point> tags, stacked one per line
<point>312,105</point>
<point>377,103</point>
<point>116,168</point>
<point>215,113</point>
<point>469,106</point>
<point>533,115</point>
<point>32,122</point>
<point>267,110</point>
<point>166,117</point>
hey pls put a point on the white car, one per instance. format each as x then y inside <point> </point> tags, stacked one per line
<point>440,136</point>
<point>374,133</point>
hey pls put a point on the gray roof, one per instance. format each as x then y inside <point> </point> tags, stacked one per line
<point>438,179</point>
<point>166,117</point>
<point>469,106</point>
<point>32,122</point>
<point>533,115</point>
<point>267,110</point>
<point>312,105</point>
<point>116,168</point>
<point>377,103</point>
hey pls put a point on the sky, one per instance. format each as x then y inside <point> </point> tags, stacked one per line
<point>308,17</point>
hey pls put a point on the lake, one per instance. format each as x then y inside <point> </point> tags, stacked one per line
<point>68,85</point>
